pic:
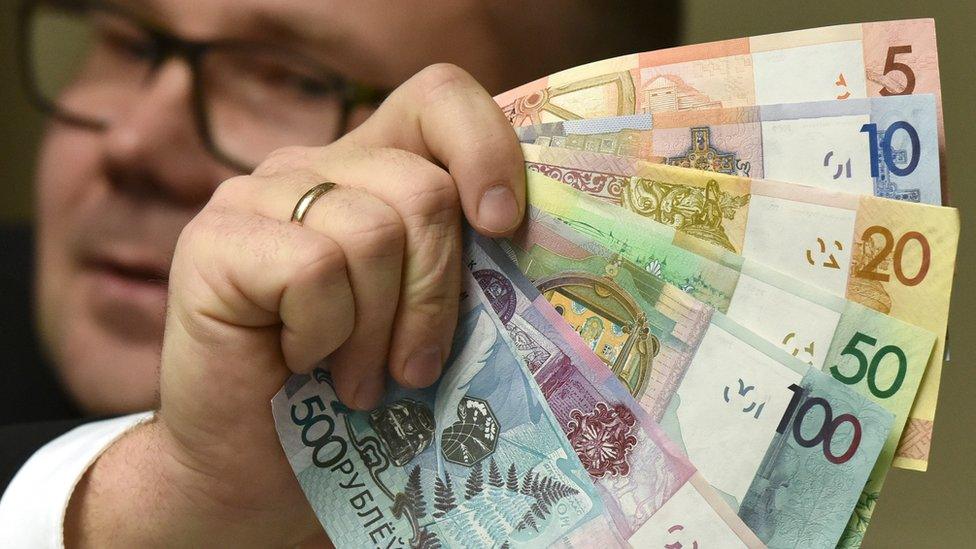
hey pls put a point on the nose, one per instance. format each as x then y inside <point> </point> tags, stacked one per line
<point>152,148</point>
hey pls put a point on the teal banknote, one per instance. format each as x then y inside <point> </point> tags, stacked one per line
<point>477,460</point>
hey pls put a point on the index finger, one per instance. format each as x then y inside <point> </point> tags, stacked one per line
<point>444,115</point>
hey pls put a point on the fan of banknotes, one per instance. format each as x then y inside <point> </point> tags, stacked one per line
<point>721,324</point>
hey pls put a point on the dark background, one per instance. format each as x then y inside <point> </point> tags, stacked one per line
<point>933,509</point>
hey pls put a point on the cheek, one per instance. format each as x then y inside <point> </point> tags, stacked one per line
<point>67,175</point>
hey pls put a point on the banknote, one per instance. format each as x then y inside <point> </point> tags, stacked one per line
<point>477,460</point>
<point>735,403</point>
<point>881,146</point>
<point>895,257</point>
<point>480,460</point>
<point>831,63</point>
<point>653,496</point>
<point>855,326</point>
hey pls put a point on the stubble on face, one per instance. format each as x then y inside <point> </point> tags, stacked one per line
<point>102,259</point>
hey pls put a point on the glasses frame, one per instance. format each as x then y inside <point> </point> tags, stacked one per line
<point>166,46</point>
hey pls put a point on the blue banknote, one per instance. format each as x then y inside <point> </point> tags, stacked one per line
<point>476,460</point>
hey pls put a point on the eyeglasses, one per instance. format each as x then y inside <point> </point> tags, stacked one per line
<point>85,62</point>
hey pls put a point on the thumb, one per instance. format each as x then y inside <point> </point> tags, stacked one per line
<point>444,115</point>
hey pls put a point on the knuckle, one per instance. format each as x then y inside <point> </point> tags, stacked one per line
<point>379,235</point>
<point>433,199</point>
<point>285,159</point>
<point>434,287</point>
<point>442,78</point>
<point>233,190</point>
<point>199,230</point>
<point>434,305</point>
<point>344,330</point>
<point>399,158</point>
<point>196,243</point>
<point>320,258</point>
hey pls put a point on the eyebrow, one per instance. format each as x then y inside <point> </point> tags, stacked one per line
<point>261,23</point>
<point>272,28</point>
<point>258,22</point>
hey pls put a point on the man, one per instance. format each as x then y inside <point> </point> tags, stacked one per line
<point>166,280</point>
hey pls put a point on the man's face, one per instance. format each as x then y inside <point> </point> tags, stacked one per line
<point>112,202</point>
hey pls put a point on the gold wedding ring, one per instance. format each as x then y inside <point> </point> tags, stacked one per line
<point>309,198</point>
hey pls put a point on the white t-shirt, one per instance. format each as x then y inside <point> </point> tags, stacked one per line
<point>33,507</point>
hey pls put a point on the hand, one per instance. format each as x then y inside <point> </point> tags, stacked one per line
<point>371,280</point>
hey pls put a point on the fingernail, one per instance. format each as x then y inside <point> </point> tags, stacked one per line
<point>368,393</point>
<point>498,210</point>
<point>423,367</point>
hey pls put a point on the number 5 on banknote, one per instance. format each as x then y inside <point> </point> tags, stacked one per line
<point>895,66</point>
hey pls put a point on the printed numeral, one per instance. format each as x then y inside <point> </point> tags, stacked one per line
<point>888,152</point>
<point>893,66</point>
<point>825,434</point>
<point>870,368</point>
<point>870,270</point>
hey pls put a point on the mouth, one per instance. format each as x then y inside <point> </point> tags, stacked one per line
<point>132,272</point>
<point>128,280</point>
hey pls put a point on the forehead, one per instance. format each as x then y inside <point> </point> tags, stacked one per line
<point>211,19</point>
<point>383,41</point>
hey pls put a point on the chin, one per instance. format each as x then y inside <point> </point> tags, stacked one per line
<point>106,375</point>
<point>107,365</point>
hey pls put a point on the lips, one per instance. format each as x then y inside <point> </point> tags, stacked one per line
<point>131,264</point>
<point>127,292</point>
<point>135,271</point>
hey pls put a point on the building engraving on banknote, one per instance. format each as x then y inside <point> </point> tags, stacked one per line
<point>609,321</point>
<point>704,156</point>
<point>405,428</point>
<point>530,108</point>
<point>869,291</point>
<point>625,142</point>
<point>671,93</point>
<point>503,300</point>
